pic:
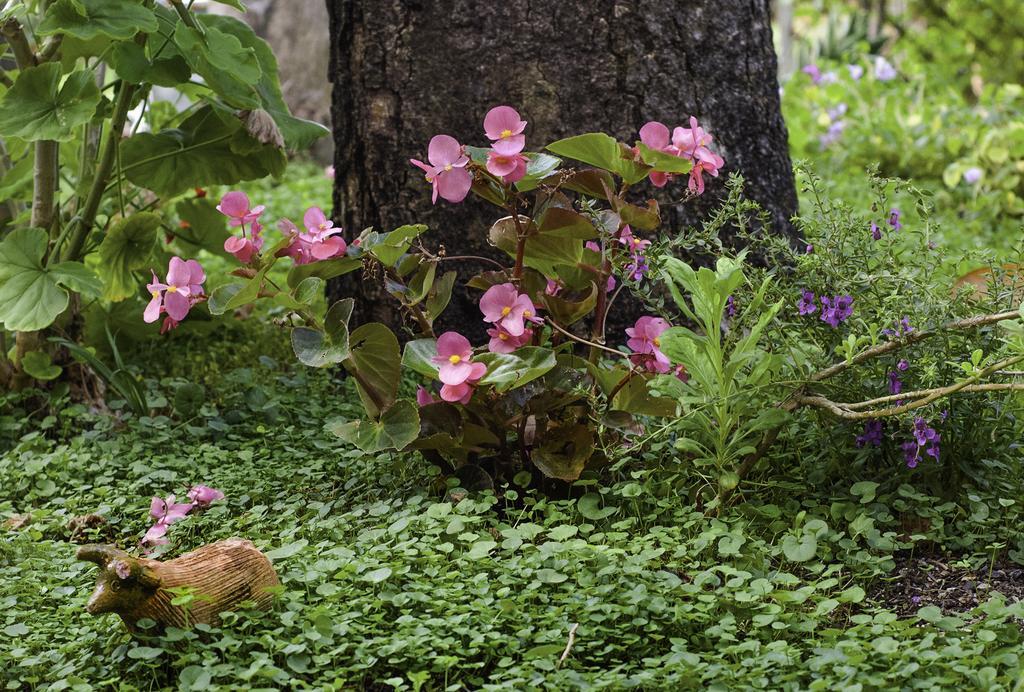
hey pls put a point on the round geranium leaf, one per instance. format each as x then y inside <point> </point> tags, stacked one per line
<point>39,106</point>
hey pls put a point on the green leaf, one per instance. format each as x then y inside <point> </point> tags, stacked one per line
<point>125,249</point>
<point>33,296</point>
<point>317,348</point>
<point>90,19</point>
<point>799,549</point>
<point>39,366</point>
<point>188,399</point>
<point>417,357</point>
<point>297,133</point>
<point>130,62</point>
<point>538,167</point>
<point>325,269</point>
<point>564,451</point>
<point>39,107</point>
<point>376,363</point>
<point>568,312</point>
<point>144,653</point>
<point>227,67</point>
<point>598,149</point>
<point>207,228</point>
<point>560,222</point>
<point>378,575</point>
<point>507,371</point>
<point>865,490</point>
<point>388,248</point>
<point>440,294</point>
<point>221,296</point>
<point>665,163</point>
<point>201,151</point>
<point>591,182</point>
<point>398,427</point>
<point>589,507</point>
<point>288,550</point>
<point>543,252</point>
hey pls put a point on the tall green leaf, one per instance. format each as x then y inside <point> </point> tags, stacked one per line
<point>227,67</point>
<point>90,19</point>
<point>126,249</point>
<point>38,106</point>
<point>598,149</point>
<point>209,147</point>
<point>398,427</point>
<point>32,295</point>
<point>376,363</point>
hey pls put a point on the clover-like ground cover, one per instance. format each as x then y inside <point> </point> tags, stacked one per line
<point>390,579</point>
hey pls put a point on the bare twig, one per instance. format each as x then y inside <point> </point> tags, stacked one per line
<point>568,644</point>
<point>911,338</point>
<point>581,340</point>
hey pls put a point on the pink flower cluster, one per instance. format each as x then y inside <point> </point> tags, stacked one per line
<point>509,311</point>
<point>689,143</point>
<point>447,169</point>
<point>166,512</point>
<point>175,297</point>
<point>645,342</point>
<point>504,128</point>
<point>321,241</point>
<point>235,205</point>
<point>456,369</point>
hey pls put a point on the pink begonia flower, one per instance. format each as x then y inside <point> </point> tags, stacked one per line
<point>447,170</point>
<point>645,341</point>
<point>424,397</point>
<point>329,172</point>
<point>693,144</point>
<point>554,287</point>
<point>591,245</point>
<point>316,243</point>
<point>504,307</point>
<point>656,136</point>
<point>503,342</point>
<point>202,495</point>
<point>503,126</point>
<point>243,248</point>
<point>235,206</point>
<point>457,372</point>
<point>184,287</point>
<point>509,166</point>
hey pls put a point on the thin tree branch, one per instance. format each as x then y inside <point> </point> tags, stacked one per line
<point>15,35</point>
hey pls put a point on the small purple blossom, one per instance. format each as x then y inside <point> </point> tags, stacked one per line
<point>903,365</point>
<point>895,383</point>
<point>637,267</point>
<point>832,135</point>
<point>809,249</point>
<point>837,111</point>
<point>807,305</point>
<point>836,309</point>
<point>884,71</point>
<point>813,72</point>
<point>730,307</point>
<point>911,453</point>
<point>876,232</point>
<point>902,328</point>
<point>894,219</point>
<point>972,175</point>
<point>872,434</point>
<point>856,72</point>
<point>926,438</point>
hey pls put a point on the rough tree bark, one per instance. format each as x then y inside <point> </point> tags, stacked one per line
<point>405,70</point>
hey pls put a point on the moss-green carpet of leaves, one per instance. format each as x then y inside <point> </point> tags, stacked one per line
<point>392,582</point>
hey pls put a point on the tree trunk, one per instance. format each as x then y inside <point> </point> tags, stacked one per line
<point>406,70</point>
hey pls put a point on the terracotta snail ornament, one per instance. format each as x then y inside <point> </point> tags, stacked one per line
<point>222,575</point>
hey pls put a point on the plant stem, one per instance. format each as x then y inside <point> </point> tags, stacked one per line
<point>87,216</point>
<point>44,184</point>
<point>23,55</point>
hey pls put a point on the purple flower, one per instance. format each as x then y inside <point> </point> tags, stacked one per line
<point>910,453</point>
<point>902,328</point>
<point>730,307</point>
<point>809,249</point>
<point>903,365</point>
<point>895,384</point>
<point>836,309</point>
<point>835,131</point>
<point>922,432</point>
<point>872,434</point>
<point>837,111</point>
<point>972,175</point>
<point>884,71</point>
<point>637,267</point>
<point>813,72</point>
<point>807,304</point>
<point>876,232</point>
<point>856,72</point>
<point>894,219</point>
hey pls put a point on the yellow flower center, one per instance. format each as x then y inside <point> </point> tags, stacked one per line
<point>505,310</point>
<point>657,341</point>
<point>503,337</point>
<point>323,226</point>
<point>527,313</point>
<point>506,133</point>
<point>447,166</point>
<point>454,360</point>
<point>172,289</point>
<point>155,294</point>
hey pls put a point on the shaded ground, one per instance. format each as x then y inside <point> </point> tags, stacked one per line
<point>941,581</point>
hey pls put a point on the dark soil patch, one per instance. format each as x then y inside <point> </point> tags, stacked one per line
<point>920,581</point>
